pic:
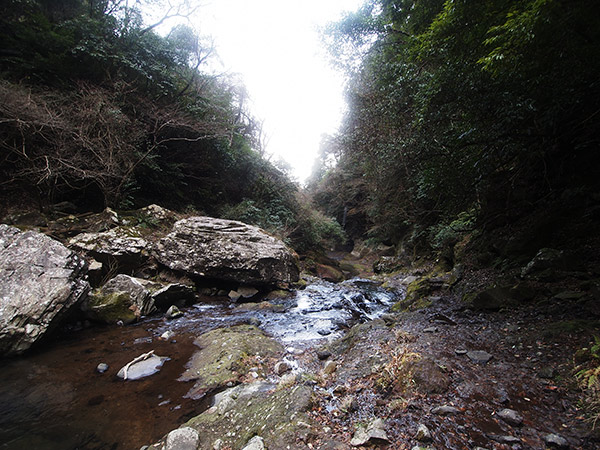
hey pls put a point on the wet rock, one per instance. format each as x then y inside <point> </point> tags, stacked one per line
<point>167,335</point>
<point>479,356</point>
<point>220,359</point>
<point>423,433</point>
<point>510,416</point>
<point>41,281</point>
<point>185,438</point>
<point>374,433</point>
<point>171,294</point>
<point>173,312</point>
<point>282,367</point>
<point>445,410</point>
<point>256,443</point>
<point>244,292</point>
<point>122,298</point>
<point>556,441</point>
<point>142,366</point>
<point>102,367</point>
<point>227,250</point>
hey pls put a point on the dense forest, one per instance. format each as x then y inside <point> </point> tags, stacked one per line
<point>99,110</point>
<point>466,116</point>
<point>462,187</point>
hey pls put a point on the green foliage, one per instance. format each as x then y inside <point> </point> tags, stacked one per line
<point>588,376</point>
<point>456,105</point>
<point>442,235</point>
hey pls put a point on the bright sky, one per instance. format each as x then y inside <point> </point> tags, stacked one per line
<point>275,46</point>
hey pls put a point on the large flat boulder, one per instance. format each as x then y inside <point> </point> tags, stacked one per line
<point>227,250</point>
<point>40,281</point>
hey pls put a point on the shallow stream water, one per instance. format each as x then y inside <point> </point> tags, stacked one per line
<point>54,398</point>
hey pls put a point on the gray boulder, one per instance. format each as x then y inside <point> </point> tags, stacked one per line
<point>40,281</point>
<point>124,245</point>
<point>227,250</point>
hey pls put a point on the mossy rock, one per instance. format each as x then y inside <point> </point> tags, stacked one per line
<point>417,295</point>
<point>226,355</point>
<point>496,298</point>
<point>110,308</point>
<point>278,416</point>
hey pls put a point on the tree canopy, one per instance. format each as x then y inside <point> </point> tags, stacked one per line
<point>487,109</point>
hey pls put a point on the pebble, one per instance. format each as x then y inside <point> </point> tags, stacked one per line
<point>167,335</point>
<point>510,416</point>
<point>102,367</point>
<point>479,356</point>
<point>185,438</point>
<point>430,330</point>
<point>423,433</point>
<point>374,433</point>
<point>460,351</point>
<point>281,368</point>
<point>323,354</point>
<point>173,312</point>
<point>554,440</point>
<point>445,410</point>
<point>330,367</point>
<point>256,443</point>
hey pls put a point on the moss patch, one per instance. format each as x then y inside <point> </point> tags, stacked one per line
<point>110,308</point>
<point>226,355</point>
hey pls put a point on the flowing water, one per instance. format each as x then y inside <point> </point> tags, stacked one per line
<point>55,399</point>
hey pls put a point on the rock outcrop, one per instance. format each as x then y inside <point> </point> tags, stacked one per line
<point>40,281</point>
<point>227,250</point>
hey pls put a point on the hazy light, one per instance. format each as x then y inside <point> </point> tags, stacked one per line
<point>275,46</point>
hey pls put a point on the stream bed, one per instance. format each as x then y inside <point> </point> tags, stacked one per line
<point>54,398</point>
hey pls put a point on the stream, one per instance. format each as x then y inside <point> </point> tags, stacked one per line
<point>53,398</point>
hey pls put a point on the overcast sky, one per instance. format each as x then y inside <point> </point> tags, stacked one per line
<point>275,46</point>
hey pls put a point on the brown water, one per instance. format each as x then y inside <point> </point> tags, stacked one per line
<point>55,399</point>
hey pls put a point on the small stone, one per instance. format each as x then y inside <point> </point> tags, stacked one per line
<point>505,439</point>
<point>460,351</point>
<point>374,433</point>
<point>218,444</point>
<point>185,438</point>
<point>479,356</point>
<point>282,367</point>
<point>102,367</point>
<point>445,410</point>
<point>323,354</point>
<point>430,330</point>
<point>173,312</point>
<point>256,443</point>
<point>167,335</point>
<point>349,404</point>
<point>546,372</point>
<point>330,367</point>
<point>554,440</point>
<point>423,433</point>
<point>510,416</point>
